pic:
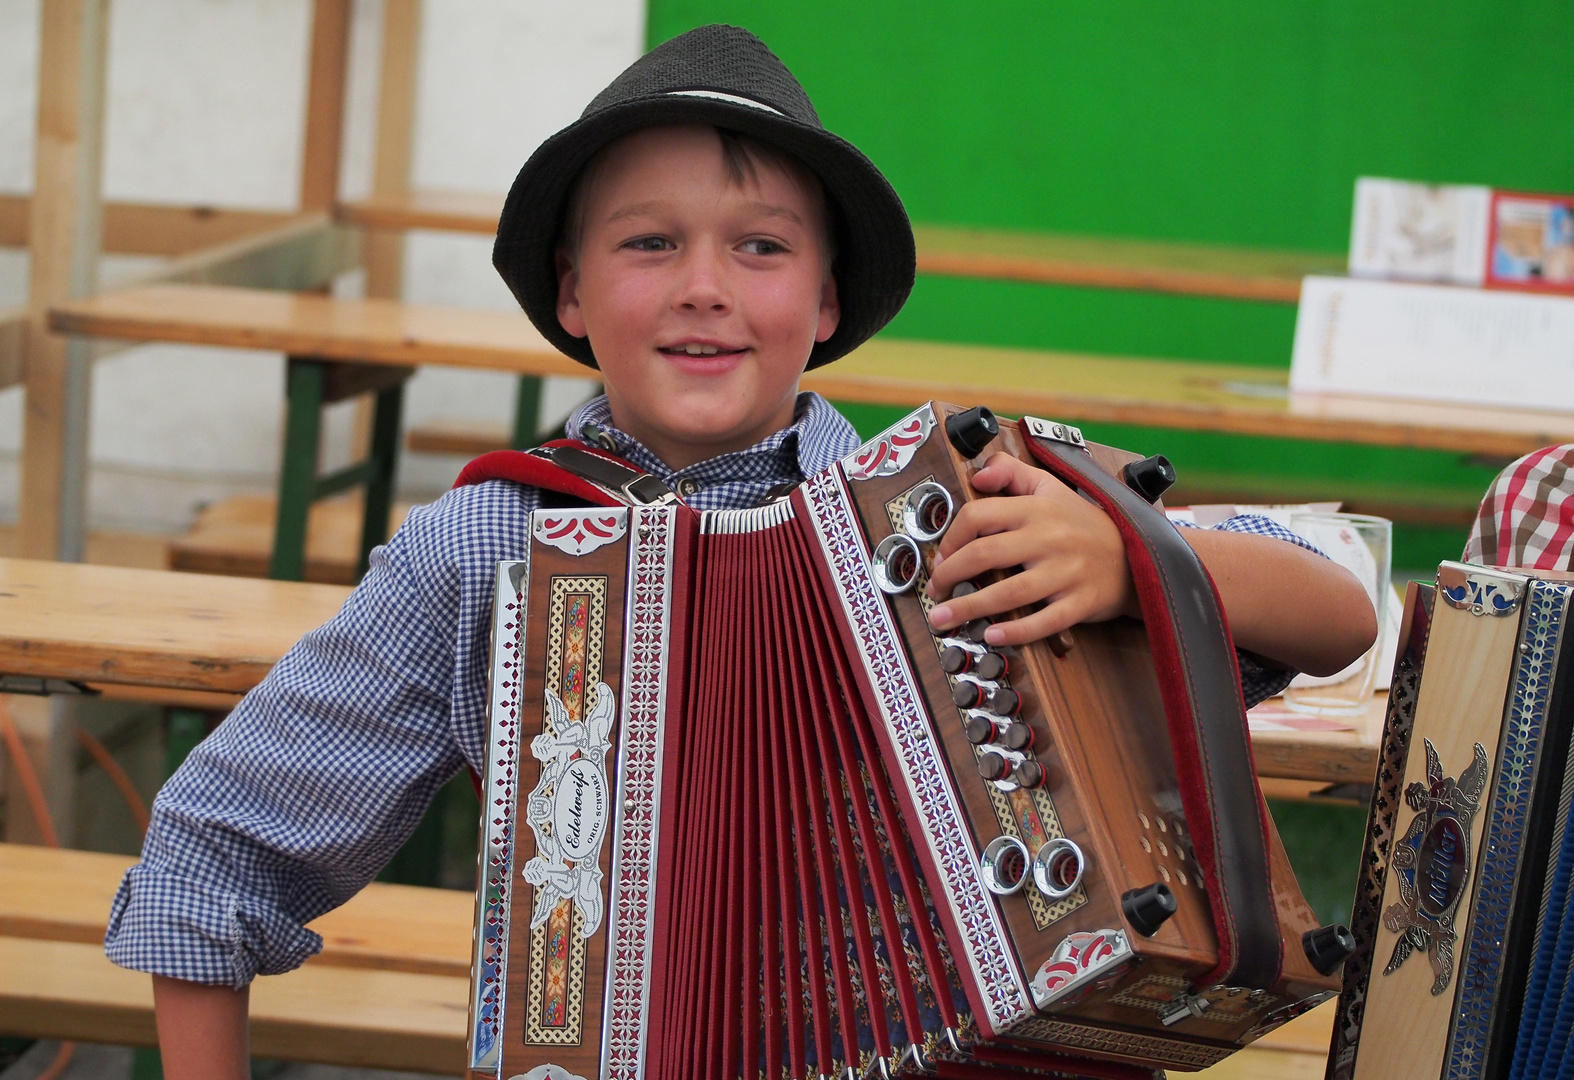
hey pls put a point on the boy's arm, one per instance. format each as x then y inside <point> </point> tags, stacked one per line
<point>202,1030</point>
<point>1286,604</point>
<point>315,780</point>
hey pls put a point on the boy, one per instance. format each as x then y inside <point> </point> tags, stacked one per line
<point>701,239</point>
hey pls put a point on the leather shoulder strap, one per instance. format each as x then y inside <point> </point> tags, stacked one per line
<point>570,468</point>
<point>1200,685</point>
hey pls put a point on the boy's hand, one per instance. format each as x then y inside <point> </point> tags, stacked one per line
<point>1069,552</point>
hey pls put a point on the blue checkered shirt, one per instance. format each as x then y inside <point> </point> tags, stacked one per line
<point>318,777</point>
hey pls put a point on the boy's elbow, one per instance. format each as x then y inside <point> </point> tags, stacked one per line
<point>1352,629</point>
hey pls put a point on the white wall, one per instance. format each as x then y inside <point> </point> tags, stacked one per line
<point>205,105</point>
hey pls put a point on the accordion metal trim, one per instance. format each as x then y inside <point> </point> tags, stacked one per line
<point>1004,990</point>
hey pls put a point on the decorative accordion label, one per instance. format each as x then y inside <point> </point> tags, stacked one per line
<point>890,451</point>
<point>1081,961</point>
<point>579,532</point>
<point>1432,863</point>
<point>1478,590</point>
<point>570,809</point>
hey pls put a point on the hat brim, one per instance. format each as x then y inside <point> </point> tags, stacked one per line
<point>875,260</point>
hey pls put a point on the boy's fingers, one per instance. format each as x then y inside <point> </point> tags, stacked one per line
<point>997,551</point>
<point>1017,591</point>
<point>1060,615</point>
<point>1004,474</point>
<point>982,518</point>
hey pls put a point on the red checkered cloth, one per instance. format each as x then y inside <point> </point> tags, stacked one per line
<point>1527,516</point>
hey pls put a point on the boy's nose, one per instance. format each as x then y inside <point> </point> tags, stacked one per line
<point>703,285</point>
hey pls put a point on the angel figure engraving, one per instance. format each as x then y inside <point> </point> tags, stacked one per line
<point>570,808</point>
<point>1431,864</point>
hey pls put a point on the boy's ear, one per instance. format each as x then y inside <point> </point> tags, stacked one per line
<point>830,310</point>
<point>569,314</point>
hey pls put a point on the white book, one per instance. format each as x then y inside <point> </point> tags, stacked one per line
<point>1434,343</point>
<point>1420,232</point>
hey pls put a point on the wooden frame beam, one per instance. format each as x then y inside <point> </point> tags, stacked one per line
<point>327,75</point>
<point>395,140</point>
<point>132,228</point>
<point>64,226</point>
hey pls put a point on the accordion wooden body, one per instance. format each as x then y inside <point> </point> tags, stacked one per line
<point>1462,917</point>
<point>746,815</point>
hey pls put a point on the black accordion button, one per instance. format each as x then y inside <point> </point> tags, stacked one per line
<point>955,660</point>
<point>968,695</point>
<point>974,631</point>
<point>1147,909</point>
<point>1005,701</point>
<point>1030,774</point>
<point>990,666</point>
<point>993,766</point>
<point>978,730</point>
<point>1327,947</point>
<point>1151,477</point>
<point>972,430</point>
<point>1018,737</point>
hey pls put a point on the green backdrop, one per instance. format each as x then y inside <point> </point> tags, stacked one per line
<point>1217,121</point>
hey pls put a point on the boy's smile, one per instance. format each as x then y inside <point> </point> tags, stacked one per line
<point>702,295</point>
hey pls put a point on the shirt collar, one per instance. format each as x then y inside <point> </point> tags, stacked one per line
<point>818,436</point>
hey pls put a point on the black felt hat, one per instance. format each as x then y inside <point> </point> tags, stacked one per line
<point>725,77</point>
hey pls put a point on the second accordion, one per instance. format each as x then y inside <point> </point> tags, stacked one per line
<point>746,815</point>
<point>1464,909</point>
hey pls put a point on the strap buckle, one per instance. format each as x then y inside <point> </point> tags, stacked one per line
<point>648,490</point>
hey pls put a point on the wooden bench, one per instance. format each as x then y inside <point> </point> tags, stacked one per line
<point>336,1016</point>
<point>389,989</point>
<point>236,537</point>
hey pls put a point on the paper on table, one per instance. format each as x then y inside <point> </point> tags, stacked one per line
<point>1387,339</point>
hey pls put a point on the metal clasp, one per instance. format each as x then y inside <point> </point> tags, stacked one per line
<point>1055,431</point>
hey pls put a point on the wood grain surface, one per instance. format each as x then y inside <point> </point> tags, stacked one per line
<point>1469,661</point>
<point>1157,393</point>
<point>61,895</point>
<point>336,1016</point>
<point>102,624</point>
<point>370,331</point>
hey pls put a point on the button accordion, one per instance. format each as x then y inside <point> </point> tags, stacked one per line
<point>1464,912</point>
<point>746,815</point>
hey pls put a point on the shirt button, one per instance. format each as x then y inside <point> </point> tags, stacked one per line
<point>687,486</point>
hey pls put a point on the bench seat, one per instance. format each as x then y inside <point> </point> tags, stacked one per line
<point>61,895</point>
<point>333,1015</point>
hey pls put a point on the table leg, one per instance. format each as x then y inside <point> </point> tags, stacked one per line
<point>298,472</point>
<point>384,458</point>
<point>527,413</point>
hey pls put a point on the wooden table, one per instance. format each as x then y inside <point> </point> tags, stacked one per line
<point>1329,757</point>
<point>151,628</point>
<point>388,990</point>
<point>1157,393</point>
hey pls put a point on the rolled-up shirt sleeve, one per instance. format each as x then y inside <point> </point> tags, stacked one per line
<point>322,772</point>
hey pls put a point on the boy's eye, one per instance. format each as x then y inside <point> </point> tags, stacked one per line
<point>761,246</point>
<point>649,243</point>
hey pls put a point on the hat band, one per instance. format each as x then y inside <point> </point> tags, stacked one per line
<point>733,98</point>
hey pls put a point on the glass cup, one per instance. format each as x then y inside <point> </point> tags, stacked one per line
<point>1362,544</point>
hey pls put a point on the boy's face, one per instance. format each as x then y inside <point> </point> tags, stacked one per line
<point>702,296</point>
